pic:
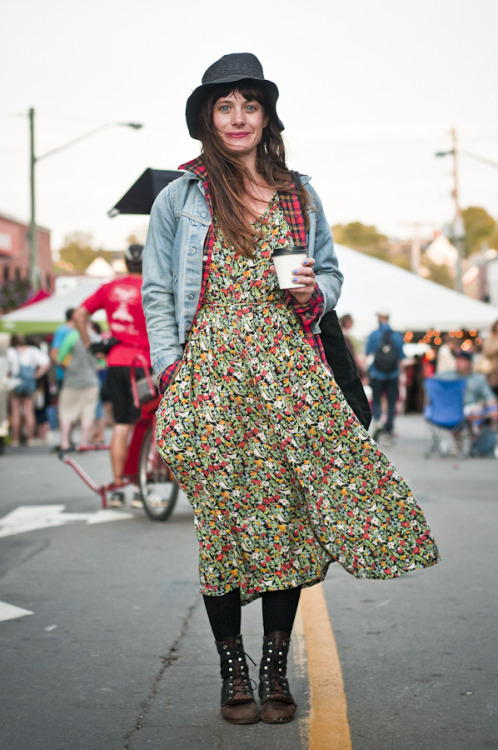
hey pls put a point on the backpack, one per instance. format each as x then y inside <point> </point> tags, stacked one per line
<point>386,356</point>
<point>27,386</point>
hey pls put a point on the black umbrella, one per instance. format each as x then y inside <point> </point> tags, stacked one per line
<point>142,194</point>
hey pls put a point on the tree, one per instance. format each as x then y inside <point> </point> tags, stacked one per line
<point>402,261</point>
<point>480,228</point>
<point>13,294</point>
<point>440,274</point>
<point>77,253</point>
<point>362,237</point>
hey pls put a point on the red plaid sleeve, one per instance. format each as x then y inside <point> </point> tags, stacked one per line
<point>166,377</point>
<point>312,310</point>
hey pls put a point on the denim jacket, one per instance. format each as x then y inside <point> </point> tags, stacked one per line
<point>173,264</point>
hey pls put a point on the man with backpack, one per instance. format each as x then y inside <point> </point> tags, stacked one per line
<point>384,351</point>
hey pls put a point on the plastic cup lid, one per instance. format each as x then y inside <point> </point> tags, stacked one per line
<point>289,250</point>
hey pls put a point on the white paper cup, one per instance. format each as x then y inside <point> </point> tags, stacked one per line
<point>286,260</point>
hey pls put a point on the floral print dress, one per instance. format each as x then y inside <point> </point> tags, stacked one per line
<point>282,478</point>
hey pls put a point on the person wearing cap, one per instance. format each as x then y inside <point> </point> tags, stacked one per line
<point>490,352</point>
<point>480,403</point>
<point>252,423</point>
<point>121,299</point>
<point>384,382</point>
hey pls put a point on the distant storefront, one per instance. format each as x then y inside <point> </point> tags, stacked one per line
<point>15,261</point>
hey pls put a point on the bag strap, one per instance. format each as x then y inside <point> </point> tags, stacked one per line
<point>296,179</point>
<point>140,361</point>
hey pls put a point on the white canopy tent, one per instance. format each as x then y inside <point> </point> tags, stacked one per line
<point>45,316</point>
<point>369,284</point>
<point>415,303</point>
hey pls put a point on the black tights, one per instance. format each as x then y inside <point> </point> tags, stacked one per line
<point>279,610</point>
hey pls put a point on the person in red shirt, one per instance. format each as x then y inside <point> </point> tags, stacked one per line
<point>122,301</point>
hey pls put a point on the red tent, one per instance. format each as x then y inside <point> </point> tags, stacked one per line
<point>37,297</point>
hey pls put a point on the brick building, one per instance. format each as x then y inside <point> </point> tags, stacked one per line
<point>14,255</point>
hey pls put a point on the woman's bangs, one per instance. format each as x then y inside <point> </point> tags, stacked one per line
<point>250,91</point>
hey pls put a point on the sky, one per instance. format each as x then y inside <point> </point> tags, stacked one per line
<point>369,91</point>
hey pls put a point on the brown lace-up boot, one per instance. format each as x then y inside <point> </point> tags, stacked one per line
<point>237,699</point>
<point>277,704</point>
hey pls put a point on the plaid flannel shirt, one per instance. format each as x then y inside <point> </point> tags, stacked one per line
<point>308,313</point>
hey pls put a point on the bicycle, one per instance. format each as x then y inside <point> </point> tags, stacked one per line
<point>144,466</point>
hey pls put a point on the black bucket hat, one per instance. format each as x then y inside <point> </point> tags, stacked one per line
<point>239,66</point>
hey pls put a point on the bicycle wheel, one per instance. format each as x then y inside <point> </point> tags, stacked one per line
<point>158,487</point>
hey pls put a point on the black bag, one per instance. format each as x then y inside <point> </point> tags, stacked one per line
<point>386,356</point>
<point>340,359</point>
<point>344,367</point>
<point>103,346</point>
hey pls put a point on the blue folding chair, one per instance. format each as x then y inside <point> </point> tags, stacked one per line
<point>449,430</point>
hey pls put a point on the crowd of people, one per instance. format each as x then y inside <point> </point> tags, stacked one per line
<point>64,384</point>
<point>395,381</point>
<point>81,378</point>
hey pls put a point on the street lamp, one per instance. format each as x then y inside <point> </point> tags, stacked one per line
<point>34,270</point>
<point>482,159</point>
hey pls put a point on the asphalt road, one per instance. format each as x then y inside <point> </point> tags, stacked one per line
<point>116,652</point>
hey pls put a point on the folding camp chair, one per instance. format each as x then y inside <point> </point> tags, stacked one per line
<point>444,413</point>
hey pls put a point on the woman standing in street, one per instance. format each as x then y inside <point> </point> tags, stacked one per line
<point>282,477</point>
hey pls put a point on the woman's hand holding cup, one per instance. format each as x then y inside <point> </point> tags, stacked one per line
<point>305,277</point>
<point>295,272</point>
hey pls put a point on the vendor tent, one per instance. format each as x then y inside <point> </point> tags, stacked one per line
<point>415,303</point>
<point>47,315</point>
<point>369,284</point>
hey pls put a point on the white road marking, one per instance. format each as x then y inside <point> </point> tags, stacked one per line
<point>33,517</point>
<point>9,612</point>
<point>103,516</point>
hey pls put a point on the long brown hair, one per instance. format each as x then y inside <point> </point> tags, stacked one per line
<point>228,175</point>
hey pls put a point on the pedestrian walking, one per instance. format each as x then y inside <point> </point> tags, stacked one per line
<point>384,349</point>
<point>58,338</point>
<point>26,365</point>
<point>346,322</point>
<point>282,477</point>
<point>80,390</point>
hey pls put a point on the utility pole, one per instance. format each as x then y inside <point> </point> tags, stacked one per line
<point>34,268</point>
<point>416,242</point>
<point>458,225</point>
